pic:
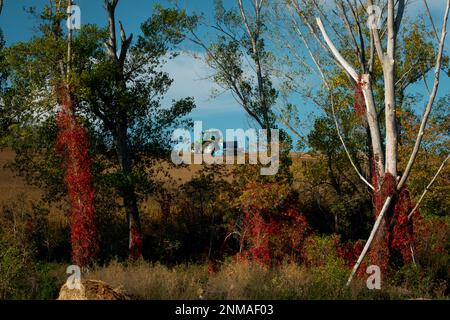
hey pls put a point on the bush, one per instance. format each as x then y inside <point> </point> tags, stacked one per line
<point>415,282</point>
<point>432,244</point>
<point>48,280</point>
<point>15,265</point>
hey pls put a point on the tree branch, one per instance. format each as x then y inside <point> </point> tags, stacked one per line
<point>376,39</point>
<point>347,67</point>
<point>430,101</point>
<point>371,237</point>
<point>334,112</point>
<point>111,45</point>
<point>368,97</point>
<point>126,42</point>
<point>431,20</point>
<point>428,187</point>
<point>345,147</point>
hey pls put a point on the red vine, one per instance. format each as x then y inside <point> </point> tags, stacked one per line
<point>72,145</point>
<point>359,102</point>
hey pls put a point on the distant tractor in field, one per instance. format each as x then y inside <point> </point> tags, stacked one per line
<point>212,143</point>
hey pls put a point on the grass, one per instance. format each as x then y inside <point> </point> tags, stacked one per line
<point>243,281</point>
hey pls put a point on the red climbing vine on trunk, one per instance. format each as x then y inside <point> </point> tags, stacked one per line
<point>72,145</point>
<point>395,235</point>
<point>401,235</point>
<point>359,105</point>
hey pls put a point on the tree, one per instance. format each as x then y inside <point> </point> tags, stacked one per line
<point>119,105</point>
<point>3,75</point>
<point>333,187</point>
<point>73,145</point>
<point>365,46</point>
<point>118,88</point>
<point>240,59</point>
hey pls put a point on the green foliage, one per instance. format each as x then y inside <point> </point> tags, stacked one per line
<point>21,277</point>
<point>194,218</point>
<point>15,264</point>
<point>435,147</point>
<point>241,61</point>
<point>165,29</point>
<point>28,240</point>
<point>3,76</point>
<point>335,199</point>
<point>110,97</point>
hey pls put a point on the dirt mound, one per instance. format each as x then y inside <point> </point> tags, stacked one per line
<point>92,290</point>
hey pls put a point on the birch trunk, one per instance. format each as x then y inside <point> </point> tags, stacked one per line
<point>389,94</point>
<point>374,129</point>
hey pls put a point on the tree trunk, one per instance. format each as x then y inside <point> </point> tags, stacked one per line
<point>374,129</point>
<point>127,191</point>
<point>120,128</point>
<point>380,249</point>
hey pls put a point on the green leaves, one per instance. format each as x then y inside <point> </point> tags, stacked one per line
<point>164,30</point>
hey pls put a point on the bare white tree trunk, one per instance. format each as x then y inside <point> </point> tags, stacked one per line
<point>387,60</point>
<point>389,94</point>
<point>387,161</point>
<point>372,121</point>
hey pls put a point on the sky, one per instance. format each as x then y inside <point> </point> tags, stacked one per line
<point>192,76</point>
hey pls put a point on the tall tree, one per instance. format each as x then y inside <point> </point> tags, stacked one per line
<point>73,145</point>
<point>348,43</point>
<point>240,59</point>
<point>119,87</point>
<point>118,104</point>
<point>3,76</point>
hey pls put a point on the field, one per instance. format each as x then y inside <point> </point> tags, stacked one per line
<point>321,275</point>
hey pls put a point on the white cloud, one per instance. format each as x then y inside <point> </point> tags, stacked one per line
<point>192,78</point>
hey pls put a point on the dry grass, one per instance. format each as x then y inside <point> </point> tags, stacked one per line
<point>234,281</point>
<point>152,281</point>
<point>245,281</point>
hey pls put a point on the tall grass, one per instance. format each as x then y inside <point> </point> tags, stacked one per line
<point>144,280</point>
<point>242,280</point>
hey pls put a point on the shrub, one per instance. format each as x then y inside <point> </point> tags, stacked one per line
<point>271,230</point>
<point>432,247</point>
<point>15,265</point>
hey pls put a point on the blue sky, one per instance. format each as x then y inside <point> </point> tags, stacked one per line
<point>190,74</point>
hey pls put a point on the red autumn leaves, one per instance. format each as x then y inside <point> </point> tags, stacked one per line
<point>73,146</point>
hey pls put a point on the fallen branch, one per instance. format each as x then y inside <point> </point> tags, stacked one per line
<point>371,237</point>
